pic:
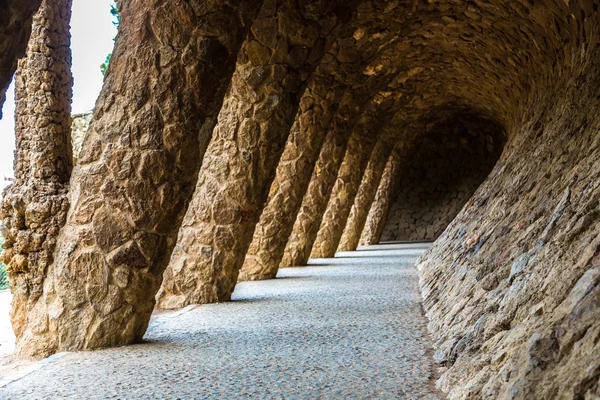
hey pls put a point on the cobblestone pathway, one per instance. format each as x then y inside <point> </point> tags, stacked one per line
<point>349,327</point>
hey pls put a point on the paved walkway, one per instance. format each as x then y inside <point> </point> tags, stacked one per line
<point>349,327</point>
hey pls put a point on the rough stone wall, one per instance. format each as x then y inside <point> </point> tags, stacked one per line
<point>512,287</point>
<point>35,207</point>
<point>356,62</point>
<point>343,70</point>
<point>441,170</point>
<point>15,29</point>
<point>358,43</point>
<point>136,172</point>
<point>346,127</point>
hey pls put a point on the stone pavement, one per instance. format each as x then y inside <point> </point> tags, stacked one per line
<point>349,327</point>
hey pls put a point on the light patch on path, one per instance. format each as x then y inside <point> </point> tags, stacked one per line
<point>349,327</point>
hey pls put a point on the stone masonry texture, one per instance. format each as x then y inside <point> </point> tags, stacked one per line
<point>512,286</point>
<point>441,170</point>
<point>291,182</point>
<point>366,193</point>
<point>79,130</point>
<point>282,50</point>
<point>344,191</point>
<point>35,207</point>
<point>136,173</point>
<point>379,210</point>
<point>314,203</point>
<point>15,28</point>
<point>492,109</point>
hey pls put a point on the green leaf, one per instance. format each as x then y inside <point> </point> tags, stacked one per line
<point>114,10</point>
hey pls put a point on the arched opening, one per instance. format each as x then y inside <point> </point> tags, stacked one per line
<point>450,156</point>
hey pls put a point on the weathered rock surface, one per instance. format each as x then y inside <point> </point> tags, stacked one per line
<point>379,210</point>
<point>15,29</point>
<point>165,85</point>
<point>366,193</point>
<point>35,206</point>
<point>317,108</point>
<point>314,203</point>
<point>282,50</point>
<point>358,153</point>
<point>512,286</point>
<point>79,130</point>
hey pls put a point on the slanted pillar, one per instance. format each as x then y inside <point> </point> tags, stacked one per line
<point>280,53</point>
<point>136,172</point>
<point>314,203</point>
<point>15,31</point>
<point>378,213</point>
<point>317,108</point>
<point>366,194</point>
<point>35,207</point>
<point>344,192</point>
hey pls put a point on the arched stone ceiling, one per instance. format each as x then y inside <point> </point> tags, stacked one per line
<point>494,57</point>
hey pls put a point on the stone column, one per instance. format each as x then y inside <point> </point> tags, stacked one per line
<point>365,195</point>
<point>279,54</point>
<point>137,170</point>
<point>383,199</point>
<point>314,203</point>
<point>294,171</point>
<point>35,207</point>
<point>344,192</point>
<point>15,30</point>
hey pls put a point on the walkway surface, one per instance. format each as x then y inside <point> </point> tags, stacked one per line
<point>350,327</point>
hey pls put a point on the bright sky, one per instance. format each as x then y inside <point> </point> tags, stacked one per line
<point>92,32</point>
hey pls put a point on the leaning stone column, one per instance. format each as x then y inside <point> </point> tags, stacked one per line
<point>35,207</point>
<point>15,31</point>
<point>314,203</point>
<point>346,187</point>
<point>136,173</point>
<point>291,181</point>
<point>365,195</point>
<point>381,205</point>
<point>279,54</point>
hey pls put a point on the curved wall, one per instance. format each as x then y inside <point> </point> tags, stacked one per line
<point>440,172</point>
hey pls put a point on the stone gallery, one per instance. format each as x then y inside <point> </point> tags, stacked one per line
<point>233,138</point>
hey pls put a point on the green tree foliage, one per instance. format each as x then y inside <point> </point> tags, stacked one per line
<point>114,10</point>
<point>3,276</point>
<point>104,65</point>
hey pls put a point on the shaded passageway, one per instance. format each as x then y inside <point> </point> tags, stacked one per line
<point>344,327</point>
<point>234,138</point>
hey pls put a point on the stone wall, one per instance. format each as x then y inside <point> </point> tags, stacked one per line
<point>512,287</point>
<point>440,172</point>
